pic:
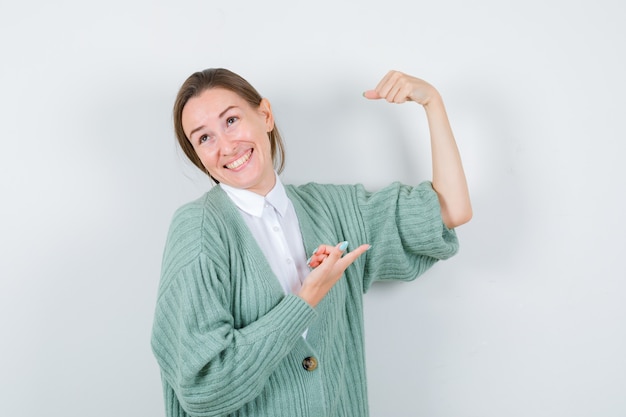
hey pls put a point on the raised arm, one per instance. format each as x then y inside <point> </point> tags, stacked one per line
<point>448,176</point>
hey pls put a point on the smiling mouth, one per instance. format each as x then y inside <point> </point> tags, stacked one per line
<point>239,162</point>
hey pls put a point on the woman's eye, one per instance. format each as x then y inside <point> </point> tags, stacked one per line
<point>231,120</point>
<point>203,138</point>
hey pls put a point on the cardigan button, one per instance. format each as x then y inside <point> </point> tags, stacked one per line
<point>309,363</point>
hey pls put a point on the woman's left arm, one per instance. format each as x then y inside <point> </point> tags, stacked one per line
<point>448,176</point>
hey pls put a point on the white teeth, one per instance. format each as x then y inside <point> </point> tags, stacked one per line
<point>240,161</point>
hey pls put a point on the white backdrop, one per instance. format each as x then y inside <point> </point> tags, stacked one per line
<point>527,320</point>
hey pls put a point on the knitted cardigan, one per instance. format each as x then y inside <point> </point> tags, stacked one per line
<point>229,341</point>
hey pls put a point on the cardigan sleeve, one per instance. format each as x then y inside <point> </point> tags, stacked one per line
<point>402,223</point>
<point>212,367</point>
<point>404,226</point>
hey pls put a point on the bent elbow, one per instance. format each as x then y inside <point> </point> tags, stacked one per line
<point>458,219</point>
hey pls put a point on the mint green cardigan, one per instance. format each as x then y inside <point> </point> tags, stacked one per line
<point>229,342</point>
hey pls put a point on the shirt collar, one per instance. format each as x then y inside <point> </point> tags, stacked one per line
<point>253,203</point>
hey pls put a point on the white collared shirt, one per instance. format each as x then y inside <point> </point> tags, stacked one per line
<point>273,223</point>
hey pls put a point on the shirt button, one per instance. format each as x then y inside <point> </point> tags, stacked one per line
<point>288,261</point>
<point>309,363</point>
<point>276,229</point>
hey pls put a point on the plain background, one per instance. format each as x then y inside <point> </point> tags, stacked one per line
<point>527,320</point>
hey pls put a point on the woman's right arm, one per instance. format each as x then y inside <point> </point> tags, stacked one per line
<point>329,267</point>
<point>213,367</point>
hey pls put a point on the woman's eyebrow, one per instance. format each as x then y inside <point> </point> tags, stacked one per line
<point>219,117</point>
<point>195,130</point>
<point>227,108</point>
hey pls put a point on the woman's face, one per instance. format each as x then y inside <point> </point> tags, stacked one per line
<point>231,138</point>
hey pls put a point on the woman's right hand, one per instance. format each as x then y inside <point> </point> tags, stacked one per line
<point>328,265</point>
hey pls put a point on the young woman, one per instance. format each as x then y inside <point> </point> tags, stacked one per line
<point>260,307</point>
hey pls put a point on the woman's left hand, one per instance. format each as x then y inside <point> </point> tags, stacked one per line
<point>397,87</point>
<point>448,176</point>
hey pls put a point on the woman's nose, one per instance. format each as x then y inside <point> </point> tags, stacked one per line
<point>227,144</point>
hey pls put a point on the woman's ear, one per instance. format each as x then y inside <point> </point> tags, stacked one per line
<point>266,109</point>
